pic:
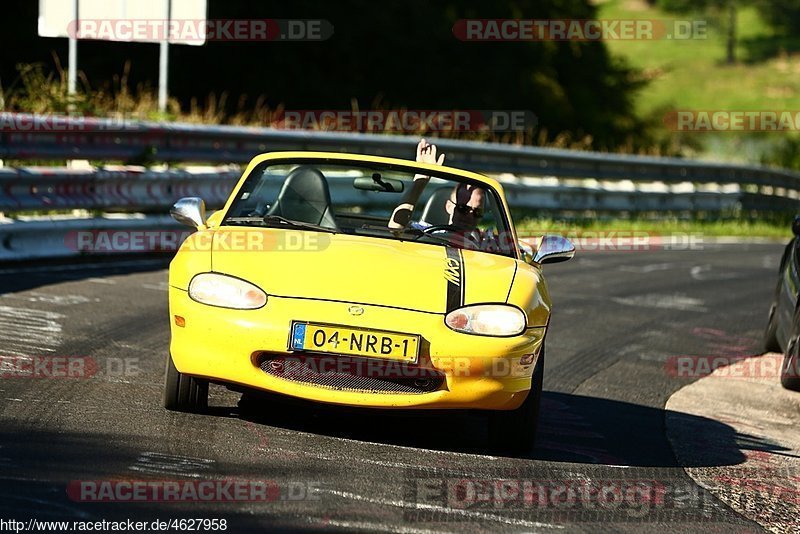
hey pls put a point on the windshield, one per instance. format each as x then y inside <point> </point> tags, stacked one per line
<point>371,200</point>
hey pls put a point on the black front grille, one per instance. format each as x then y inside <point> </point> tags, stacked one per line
<point>347,373</point>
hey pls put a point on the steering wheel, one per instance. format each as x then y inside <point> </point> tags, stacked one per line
<point>467,239</point>
<point>441,227</point>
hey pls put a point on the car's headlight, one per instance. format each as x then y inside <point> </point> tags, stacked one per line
<point>226,291</point>
<point>487,320</point>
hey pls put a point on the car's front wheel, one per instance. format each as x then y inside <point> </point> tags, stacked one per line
<point>184,393</point>
<point>515,430</point>
<point>790,370</point>
<point>770,332</point>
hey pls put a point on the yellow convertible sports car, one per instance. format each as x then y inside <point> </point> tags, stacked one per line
<point>362,281</point>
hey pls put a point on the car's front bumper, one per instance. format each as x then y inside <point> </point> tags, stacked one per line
<point>224,345</point>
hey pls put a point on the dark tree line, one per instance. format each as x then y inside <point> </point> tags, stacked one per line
<point>391,53</point>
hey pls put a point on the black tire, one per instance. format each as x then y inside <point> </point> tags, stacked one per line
<point>515,430</point>
<point>770,333</point>
<point>790,371</point>
<point>184,393</point>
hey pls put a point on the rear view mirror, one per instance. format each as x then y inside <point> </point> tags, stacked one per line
<point>378,183</point>
<point>796,226</point>
<point>554,249</point>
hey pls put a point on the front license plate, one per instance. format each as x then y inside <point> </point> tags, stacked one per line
<point>354,341</point>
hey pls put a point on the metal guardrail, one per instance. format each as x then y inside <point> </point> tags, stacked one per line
<point>127,190</point>
<point>543,179</point>
<point>59,237</point>
<point>155,192</point>
<point>140,141</point>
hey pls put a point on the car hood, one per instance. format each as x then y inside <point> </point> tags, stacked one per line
<point>364,270</point>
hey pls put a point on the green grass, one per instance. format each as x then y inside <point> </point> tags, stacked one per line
<point>692,74</point>
<point>734,228</point>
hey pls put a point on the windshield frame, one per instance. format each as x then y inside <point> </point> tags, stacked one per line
<point>258,165</point>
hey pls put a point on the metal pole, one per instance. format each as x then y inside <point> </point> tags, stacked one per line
<point>72,70</point>
<point>163,60</point>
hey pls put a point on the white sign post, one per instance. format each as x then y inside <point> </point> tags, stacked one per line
<point>111,20</point>
<point>163,61</point>
<point>72,61</point>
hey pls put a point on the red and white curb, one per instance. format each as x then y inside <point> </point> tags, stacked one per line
<point>739,439</point>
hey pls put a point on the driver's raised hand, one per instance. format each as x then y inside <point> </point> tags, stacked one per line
<point>426,153</point>
<point>401,216</point>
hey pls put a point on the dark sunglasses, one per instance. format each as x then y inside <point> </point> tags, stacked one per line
<point>464,209</point>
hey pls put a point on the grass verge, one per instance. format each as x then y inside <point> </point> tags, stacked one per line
<point>733,228</point>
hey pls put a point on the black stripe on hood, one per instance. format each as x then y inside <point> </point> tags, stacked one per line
<point>454,274</point>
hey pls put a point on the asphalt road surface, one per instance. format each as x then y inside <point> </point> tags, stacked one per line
<point>602,461</point>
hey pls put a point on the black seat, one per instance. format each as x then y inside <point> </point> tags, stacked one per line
<point>305,197</point>
<point>434,212</point>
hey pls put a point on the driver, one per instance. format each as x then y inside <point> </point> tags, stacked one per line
<point>464,209</point>
<point>465,205</point>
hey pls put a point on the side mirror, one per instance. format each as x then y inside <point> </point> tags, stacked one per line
<point>190,211</point>
<point>796,226</point>
<point>554,249</point>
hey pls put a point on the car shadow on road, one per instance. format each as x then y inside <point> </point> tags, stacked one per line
<point>572,429</point>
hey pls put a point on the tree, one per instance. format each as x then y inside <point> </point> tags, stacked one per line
<point>783,15</point>
<point>724,11</point>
